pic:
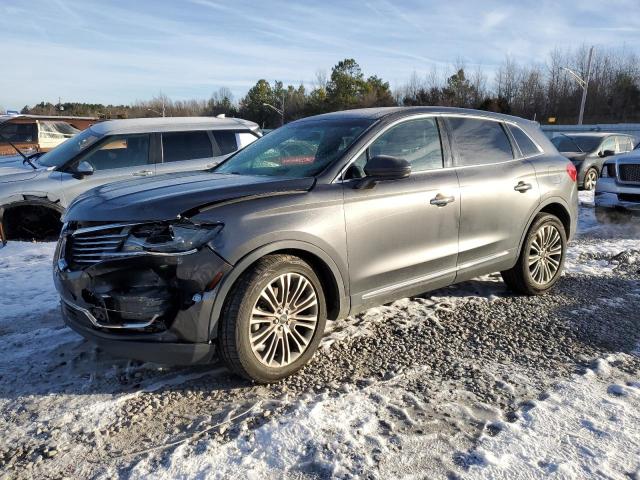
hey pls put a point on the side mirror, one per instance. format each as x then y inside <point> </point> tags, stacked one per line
<point>606,153</point>
<point>384,167</point>
<point>82,170</point>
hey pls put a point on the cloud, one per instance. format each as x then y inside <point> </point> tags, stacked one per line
<point>119,51</point>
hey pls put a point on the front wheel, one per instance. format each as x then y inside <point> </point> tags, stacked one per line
<point>273,319</point>
<point>541,259</point>
<point>590,179</point>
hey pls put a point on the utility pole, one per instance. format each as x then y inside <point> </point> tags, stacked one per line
<point>584,83</point>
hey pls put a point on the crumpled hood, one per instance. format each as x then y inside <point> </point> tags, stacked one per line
<point>575,156</point>
<point>11,165</point>
<point>164,197</point>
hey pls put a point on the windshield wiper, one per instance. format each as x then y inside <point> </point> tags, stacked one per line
<point>25,159</point>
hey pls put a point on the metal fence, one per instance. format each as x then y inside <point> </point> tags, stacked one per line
<point>628,128</point>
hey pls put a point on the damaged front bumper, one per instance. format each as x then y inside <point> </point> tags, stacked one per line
<point>153,308</point>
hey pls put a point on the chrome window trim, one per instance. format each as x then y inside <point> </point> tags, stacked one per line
<point>444,115</point>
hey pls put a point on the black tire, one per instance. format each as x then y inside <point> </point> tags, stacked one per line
<point>519,278</point>
<point>590,174</point>
<point>234,336</point>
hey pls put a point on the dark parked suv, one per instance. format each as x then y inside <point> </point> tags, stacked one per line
<point>589,150</point>
<point>318,220</point>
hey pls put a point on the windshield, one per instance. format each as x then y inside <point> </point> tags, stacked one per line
<point>577,143</point>
<point>69,149</point>
<point>296,150</point>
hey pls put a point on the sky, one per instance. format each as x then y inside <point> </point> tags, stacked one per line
<point>116,52</point>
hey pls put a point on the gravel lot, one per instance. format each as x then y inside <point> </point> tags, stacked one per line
<point>421,387</point>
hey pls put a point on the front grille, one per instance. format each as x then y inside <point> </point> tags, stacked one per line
<point>629,197</point>
<point>88,246</point>
<point>629,172</point>
<point>611,169</point>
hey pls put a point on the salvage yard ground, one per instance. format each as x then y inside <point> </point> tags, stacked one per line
<point>469,381</point>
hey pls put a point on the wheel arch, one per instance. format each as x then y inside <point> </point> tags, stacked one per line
<point>555,206</point>
<point>27,201</point>
<point>333,283</point>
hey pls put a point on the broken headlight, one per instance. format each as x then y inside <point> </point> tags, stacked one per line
<point>179,237</point>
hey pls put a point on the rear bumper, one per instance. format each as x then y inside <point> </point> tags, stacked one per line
<point>149,348</point>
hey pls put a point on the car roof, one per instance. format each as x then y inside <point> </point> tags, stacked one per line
<point>171,124</point>
<point>383,112</point>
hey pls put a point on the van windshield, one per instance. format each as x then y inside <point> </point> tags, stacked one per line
<point>69,149</point>
<point>296,150</point>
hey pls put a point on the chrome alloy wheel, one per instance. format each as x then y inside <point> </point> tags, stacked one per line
<point>590,179</point>
<point>283,320</point>
<point>545,254</point>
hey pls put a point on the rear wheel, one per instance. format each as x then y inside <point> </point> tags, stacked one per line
<point>590,179</point>
<point>541,259</point>
<point>273,320</point>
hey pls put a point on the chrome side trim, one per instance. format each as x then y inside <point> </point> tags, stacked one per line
<point>96,323</point>
<point>432,276</point>
<point>408,283</point>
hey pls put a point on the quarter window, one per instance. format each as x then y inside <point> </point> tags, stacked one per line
<point>226,141</point>
<point>120,152</point>
<point>480,142</point>
<point>179,146</point>
<point>416,141</point>
<point>526,145</point>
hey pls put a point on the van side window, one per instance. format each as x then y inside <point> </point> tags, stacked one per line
<point>526,145</point>
<point>179,146</point>
<point>226,141</point>
<point>416,141</point>
<point>479,142</point>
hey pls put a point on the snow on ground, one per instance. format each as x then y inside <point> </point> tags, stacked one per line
<point>64,394</point>
<point>585,428</point>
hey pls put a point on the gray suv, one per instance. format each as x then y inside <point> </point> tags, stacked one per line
<point>320,219</point>
<point>35,189</point>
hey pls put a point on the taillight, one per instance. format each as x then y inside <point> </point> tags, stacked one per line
<point>572,172</point>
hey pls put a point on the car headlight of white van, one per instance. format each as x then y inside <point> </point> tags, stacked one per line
<point>170,238</point>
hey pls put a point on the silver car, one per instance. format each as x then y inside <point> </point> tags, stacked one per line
<point>36,189</point>
<point>618,191</point>
<point>319,219</point>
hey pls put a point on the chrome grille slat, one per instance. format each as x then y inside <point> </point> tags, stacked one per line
<point>91,245</point>
<point>103,248</point>
<point>86,237</point>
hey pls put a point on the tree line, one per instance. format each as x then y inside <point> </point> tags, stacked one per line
<point>544,91</point>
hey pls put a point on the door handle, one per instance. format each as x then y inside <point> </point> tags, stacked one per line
<point>143,173</point>
<point>210,165</point>
<point>522,187</point>
<point>441,200</point>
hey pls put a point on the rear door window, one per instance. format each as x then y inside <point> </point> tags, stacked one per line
<point>180,146</point>
<point>479,142</point>
<point>120,152</point>
<point>526,145</point>
<point>609,143</point>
